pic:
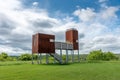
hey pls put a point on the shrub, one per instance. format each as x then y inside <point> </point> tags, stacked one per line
<point>96,55</point>
<point>99,55</point>
<point>10,59</point>
<point>25,57</point>
<point>4,55</point>
<point>1,58</point>
<point>35,56</point>
<point>110,56</point>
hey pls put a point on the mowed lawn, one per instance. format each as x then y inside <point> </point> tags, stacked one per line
<point>76,71</point>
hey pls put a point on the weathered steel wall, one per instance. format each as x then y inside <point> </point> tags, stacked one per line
<point>72,37</point>
<point>43,43</point>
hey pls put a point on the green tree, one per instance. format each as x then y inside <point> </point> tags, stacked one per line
<point>96,55</point>
<point>100,55</point>
<point>110,56</point>
<point>4,55</point>
<point>25,57</point>
<point>1,58</point>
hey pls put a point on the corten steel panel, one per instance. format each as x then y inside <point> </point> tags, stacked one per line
<point>41,43</point>
<point>72,37</point>
<point>35,43</point>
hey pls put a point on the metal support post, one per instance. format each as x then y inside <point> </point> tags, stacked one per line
<point>32,59</point>
<point>78,56</point>
<point>54,59</point>
<point>38,58</point>
<point>61,52</point>
<point>66,56</point>
<point>73,56</point>
<point>47,60</point>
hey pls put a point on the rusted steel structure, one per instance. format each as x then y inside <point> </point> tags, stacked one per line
<point>45,44</point>
<point>72,37</point>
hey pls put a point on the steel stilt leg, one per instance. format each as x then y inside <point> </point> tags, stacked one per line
<point>47,59</point>
<point>32,59</point>
<point>66,56</point>
<point>61,54</point>
<point>78,56</point>
<point>38,58</point>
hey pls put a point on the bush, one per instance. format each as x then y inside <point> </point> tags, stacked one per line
<point>64,57</point>
<point>10,59</point>
<point>4,55</point>
<point>99,55</point>
<point>1,58</point>
<point>35,56</point>
<point>110,56</point>
<point>96,55</point>
<point>25,57</point>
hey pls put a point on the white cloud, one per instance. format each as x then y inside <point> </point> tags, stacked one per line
<point>35,3</point>
<point>106,43</point>
<point>85,14</point>
<point>102,1</point>
<point>10,5</point>
<point>109,12</point>
<point>12,51</point>
<point>17,24</point>
<point>89,14</point>
<point>97,29</point>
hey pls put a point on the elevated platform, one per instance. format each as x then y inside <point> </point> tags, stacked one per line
<point>46,44</point>
<point>63,46</point>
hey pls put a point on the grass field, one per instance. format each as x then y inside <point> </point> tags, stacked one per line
<point>76,71</point>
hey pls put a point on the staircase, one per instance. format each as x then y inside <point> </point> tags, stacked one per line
<point>57,57</point>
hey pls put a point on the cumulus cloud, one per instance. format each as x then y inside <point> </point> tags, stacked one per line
<point>35,4</point>
<point>96,26</point>
<point>106,43</point>
<point>89,14</point>
<point>102,1</point>
<point>18,24</point>
<point>109,12</point>
<point>85,14</point>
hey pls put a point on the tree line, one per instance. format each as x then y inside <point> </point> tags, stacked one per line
<point>100,55</point>
<point>95,55</point>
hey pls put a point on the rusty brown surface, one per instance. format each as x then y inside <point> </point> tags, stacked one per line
<point>71,37</point>
<point>41,43</point>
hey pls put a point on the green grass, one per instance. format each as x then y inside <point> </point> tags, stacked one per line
<point>76,71</point>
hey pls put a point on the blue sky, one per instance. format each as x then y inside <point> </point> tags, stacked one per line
<point>98,23</point>
<point>68,6</point>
